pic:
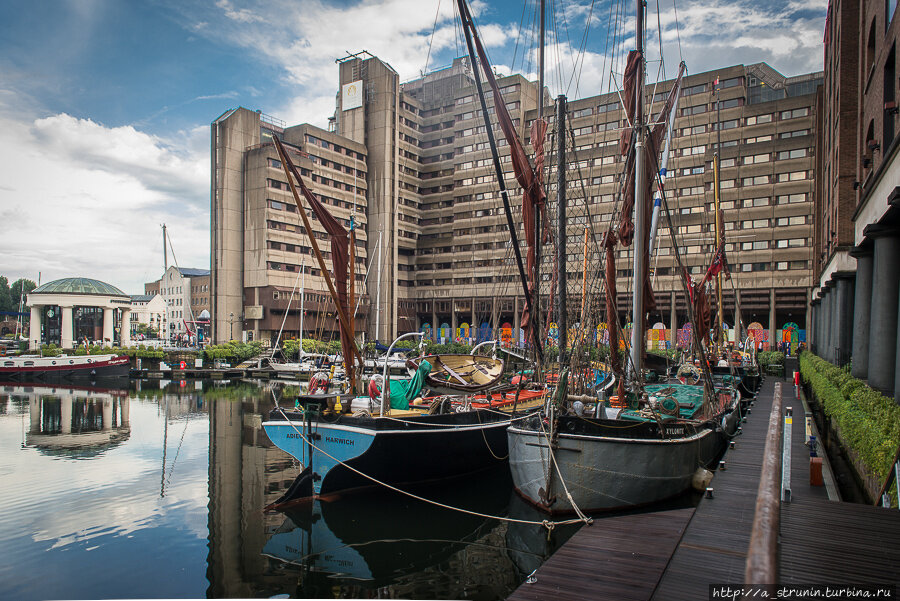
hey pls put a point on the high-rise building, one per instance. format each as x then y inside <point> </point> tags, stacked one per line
<point>438,246</point>
<point>261,255</point>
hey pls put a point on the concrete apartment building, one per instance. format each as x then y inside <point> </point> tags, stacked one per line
<point>855,310</point>
<point>260,251</point>
<point>431,198</point>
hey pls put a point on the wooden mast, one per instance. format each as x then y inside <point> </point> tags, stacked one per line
<point>289,168</point>
<point>720,234</point>
<point>640,210</point>
<point>351,373</point>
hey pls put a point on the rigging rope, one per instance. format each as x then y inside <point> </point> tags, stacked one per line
<point>549,524</point>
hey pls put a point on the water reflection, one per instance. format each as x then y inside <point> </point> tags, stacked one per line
<point>377,543</point>
<point>175,482</point>
<point>79,421</point>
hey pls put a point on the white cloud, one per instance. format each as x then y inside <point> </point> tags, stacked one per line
<point>82,199</point>
<point>305,43</point>
<point>720,33</point>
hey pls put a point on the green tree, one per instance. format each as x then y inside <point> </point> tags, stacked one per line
<point>6,302</point>
<point>20,287</point>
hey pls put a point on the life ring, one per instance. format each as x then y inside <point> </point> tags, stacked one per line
<point>688,374</point>
<point>319,382</point>
<point>183,365</point>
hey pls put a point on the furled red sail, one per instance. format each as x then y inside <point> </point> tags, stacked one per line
<point>533,195</point>
<point>340,251</point>
<point>652,149</point>
<point>612,315</point>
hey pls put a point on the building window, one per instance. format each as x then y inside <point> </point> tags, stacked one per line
<point>757,119</point>
<point>792,176</point>
<point>793,114</point>
<point>693,110</point>
<point>755,181</point>
<point>756,158</point>
<point>790,198</point>
<point>797,153</point>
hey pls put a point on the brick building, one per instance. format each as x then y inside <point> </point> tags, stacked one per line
<point>856,302</point>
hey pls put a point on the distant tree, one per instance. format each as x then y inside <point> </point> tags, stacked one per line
<point>6,303</point>
<point>20,287</point>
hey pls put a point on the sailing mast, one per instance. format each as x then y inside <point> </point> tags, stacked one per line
<point>536,302</point>
<point>350,293</point>
<point>640,209</point>
<point>523,171</point>
<point>561,314</point>
<point>378,288</point>
<point>720,237</point>
<point>302,310</point>
<point>164,331</point>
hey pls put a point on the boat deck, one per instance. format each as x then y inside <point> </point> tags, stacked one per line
<point>679,554</point>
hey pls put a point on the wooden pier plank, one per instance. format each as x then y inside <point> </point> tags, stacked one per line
<point>670,555</point>
<point>619,557</point>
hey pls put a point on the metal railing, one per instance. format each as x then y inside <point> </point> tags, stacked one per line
<point>883,498</point>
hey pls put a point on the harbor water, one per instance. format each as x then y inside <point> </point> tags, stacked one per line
<point>158,490</point>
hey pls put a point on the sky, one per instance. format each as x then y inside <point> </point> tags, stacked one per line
<point>105,105</point>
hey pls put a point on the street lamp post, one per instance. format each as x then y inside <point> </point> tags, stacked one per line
<point>231,321</point>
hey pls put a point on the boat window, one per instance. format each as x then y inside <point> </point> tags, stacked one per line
<point>7,364</point>
<point>27,363</point>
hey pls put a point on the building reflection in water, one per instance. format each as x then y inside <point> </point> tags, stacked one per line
<point>246,473</point>
<point>78,420</point>
<point>373,544</point>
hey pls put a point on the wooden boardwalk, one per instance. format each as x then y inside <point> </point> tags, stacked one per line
<point>713,549</point>
<point>675,555</point>
<point>618,557</point>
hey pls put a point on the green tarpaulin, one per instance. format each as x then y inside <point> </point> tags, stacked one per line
<point>404,391</point>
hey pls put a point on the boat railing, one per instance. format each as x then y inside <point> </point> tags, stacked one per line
<point>385,387</point>
<point>761,567</point>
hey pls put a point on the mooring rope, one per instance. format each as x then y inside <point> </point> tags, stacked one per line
<point>548,524</point>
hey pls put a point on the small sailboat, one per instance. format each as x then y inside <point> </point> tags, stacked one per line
<point>454,374</point>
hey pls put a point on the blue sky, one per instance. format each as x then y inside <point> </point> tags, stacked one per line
<point>105,105</point>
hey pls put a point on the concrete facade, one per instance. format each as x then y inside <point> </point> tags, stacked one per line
<point>260,251</point>
<point>437,239</point>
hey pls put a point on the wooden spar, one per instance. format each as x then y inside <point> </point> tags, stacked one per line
<point>561,255</point>
<point>720,234</point>
<point>584,278</point>
<point>720,334</point>
<point>638,337</point>
<point>501,182</point>
<point>289,169</point>
<point>351,373</point>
